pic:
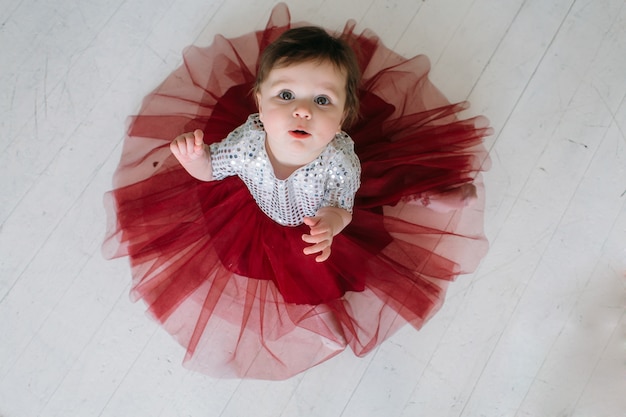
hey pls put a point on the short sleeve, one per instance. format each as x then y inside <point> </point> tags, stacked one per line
<point>228,155</point>
<point>343,176</point>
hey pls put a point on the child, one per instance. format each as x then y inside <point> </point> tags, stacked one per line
<point>291,240</point>
<point>306,89</point>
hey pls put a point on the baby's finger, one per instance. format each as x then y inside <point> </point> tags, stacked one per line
<point>320,229</point>
<point>311,221</point>
<point>190,144</point>
<point>175,146</point>
<point>313,238</point>
<point>317,237</point>
<point>318,247</point>
<point>325,255</point>
<point>199,145</point>
<point>198,137</point>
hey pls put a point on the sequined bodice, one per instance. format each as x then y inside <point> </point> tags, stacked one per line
<point>331,180</point>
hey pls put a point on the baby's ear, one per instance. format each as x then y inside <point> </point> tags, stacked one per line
<point>343,120</point>
<point>257,99</point>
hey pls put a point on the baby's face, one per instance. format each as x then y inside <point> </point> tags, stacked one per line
<point>302,108</point>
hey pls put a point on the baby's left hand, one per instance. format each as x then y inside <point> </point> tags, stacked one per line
<point>320,236</point>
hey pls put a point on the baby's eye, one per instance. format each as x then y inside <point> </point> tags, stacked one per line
<point>322,100</point>
<point>286,95</point>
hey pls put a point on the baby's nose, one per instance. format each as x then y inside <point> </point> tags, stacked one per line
<point>302,111</point>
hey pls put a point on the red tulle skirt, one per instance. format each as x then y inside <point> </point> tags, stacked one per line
<point>232,286</point>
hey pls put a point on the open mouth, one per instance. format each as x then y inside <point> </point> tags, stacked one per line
<point>299,134</point>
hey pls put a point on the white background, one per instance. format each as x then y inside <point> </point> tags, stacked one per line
<point>538,331</point>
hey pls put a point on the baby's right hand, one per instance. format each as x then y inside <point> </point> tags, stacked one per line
<point>189,146</point>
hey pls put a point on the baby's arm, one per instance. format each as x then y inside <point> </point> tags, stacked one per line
<point>327,223</point>
<point>193,154</point>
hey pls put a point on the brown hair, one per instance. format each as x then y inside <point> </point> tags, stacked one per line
<point>312,43</point>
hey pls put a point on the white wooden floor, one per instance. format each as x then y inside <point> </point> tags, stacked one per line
<point>538,331</point>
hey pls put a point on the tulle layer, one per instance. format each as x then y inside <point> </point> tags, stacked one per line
<point>232,286</point>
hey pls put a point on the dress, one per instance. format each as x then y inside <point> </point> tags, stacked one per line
<point>232,285</point>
